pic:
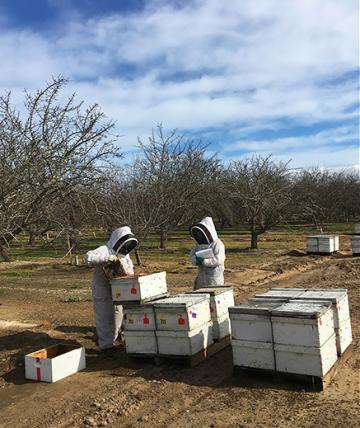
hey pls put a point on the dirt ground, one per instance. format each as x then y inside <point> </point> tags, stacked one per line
<point>44,302</point>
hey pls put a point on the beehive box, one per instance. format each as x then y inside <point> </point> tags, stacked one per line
<point>141,342</point>
<point>322,244</point>
<point>343,333</point>
<point>357,229</point>
<point>54,362</point>
<point>251,321</point>
<point>139,288</point>
<point>182,312</point>
<point>185,343</point>
<point>355,245</point>
<point>341,313</point>
<point>221,327</point>
<point>302,324</point>
<point>139,317</point>
<point>251,354</point>
<point>221,298</point>
<point>306,360</point>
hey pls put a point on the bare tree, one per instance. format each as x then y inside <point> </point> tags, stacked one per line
<point>171,178</point>
<point>261,191</point>
<point>46,152</point>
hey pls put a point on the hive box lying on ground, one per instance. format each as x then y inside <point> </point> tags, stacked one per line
<point>184,343</point>
<point>182,312</point>
<point>304,338</point>
<point>54,362</point>
<point>141,342</point>
<point>322,244</point>
<point>355,245</point>
<point>221,298</point>
<point>139,288</point>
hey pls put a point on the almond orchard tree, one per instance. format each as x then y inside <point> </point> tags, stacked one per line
<point>47,151</point>
<point>261,191</point>
<point>173,173</point>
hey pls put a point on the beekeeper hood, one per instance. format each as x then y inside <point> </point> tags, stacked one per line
<point>204,232</point>
<point>122,241</point>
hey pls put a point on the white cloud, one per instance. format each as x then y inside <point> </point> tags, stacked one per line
<point>243,65</point>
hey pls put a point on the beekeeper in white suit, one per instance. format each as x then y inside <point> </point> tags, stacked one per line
<point>211,266</point>
<point>108,317</point>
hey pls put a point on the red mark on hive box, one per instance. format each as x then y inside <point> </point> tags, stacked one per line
<point>211,309</point>
<point>37,365</point>
<point>181,320</point>
<point>320,322</point>
<point>146,319</point>
<point>133,290</point>
<point>218,302</point>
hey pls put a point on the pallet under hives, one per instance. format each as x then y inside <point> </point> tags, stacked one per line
<point>187,360</point>
<point>250,376</point>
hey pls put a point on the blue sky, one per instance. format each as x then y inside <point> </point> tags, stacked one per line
<point>264,76</point>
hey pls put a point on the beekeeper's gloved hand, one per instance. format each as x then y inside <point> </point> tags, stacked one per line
<point>199,261</point>
<point>112,259</point>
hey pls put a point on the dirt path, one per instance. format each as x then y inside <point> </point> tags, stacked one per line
<point>122,393</point>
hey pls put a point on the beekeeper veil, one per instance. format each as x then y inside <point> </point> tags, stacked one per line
<point>122,241</point>
<point>204,232</point>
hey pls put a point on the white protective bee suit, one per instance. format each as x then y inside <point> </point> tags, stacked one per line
<point>108,317</point>
<point>211,272</point>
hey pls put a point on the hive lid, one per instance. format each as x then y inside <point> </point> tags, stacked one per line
<point>295,309</point>
<point>261,308</point>
<point>181,300</point>
<point>322,236</point>
<point>136,305</point>
<point>282,293</point>
<point>268,299</point>
<point>213,291</point>
<point>323,295</point>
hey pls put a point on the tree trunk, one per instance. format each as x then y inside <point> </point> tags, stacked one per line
<point>73,241</point>
<point>254,240</point>
<point>138,258</point>
<point>163,239</point>
<point>32,239</point>
<point>4,253</point>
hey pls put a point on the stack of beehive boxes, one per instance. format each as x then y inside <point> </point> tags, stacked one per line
<point>221,298</point>
<point>252,338</point>
<point>322,244</point>
<point>303,330</point>
<point>338,298</point>
<point>355,241</point>
<point>137,295</point>
<point>183,324</point>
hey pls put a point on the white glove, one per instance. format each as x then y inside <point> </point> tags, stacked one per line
<point>112,259</point>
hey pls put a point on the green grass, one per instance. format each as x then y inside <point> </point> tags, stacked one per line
<point>179,243</point>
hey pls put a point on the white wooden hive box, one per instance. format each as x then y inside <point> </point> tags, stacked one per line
<point>221,298</point>
<point>182,312</point>
<point>185,342</point>
<point>54,362</point>
<point>250,354</point>
<point>139,288</point>
<point>302,324</point>
<point>251,321</point>
<point>141,342</point>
